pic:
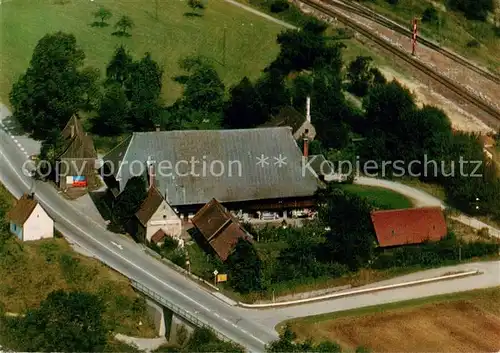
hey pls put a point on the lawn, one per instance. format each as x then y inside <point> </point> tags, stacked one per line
<point>250,39</point>
<point>379,197</point>
<point>462,322</point>
<point>453,30</point>
<point>30,271</point>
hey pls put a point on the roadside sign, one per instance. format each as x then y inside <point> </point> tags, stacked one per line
<point>221,278</point>
<point>216,272</point>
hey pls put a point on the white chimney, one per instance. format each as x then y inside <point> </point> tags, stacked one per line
<point>151,175</point>
<point>308,109</point>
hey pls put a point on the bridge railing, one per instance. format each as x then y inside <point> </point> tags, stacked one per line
<point>176,309</point>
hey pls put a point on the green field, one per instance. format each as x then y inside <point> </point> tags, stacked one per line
<point>250,39</point>
<point>379,197</point>
<point>460,322</point>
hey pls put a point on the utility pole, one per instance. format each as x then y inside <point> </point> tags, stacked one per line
<point>224,46</point>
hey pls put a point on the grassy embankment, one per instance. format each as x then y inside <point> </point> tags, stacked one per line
<point>30,271</point>
<point>452,30</point>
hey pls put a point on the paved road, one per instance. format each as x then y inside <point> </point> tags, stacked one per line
<point>130,260</point>
<point>251,328</point>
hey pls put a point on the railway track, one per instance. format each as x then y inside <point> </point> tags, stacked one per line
<point>373,16</point>
<point>408,58</point>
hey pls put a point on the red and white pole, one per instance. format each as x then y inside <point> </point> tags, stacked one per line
<point>414,38</point>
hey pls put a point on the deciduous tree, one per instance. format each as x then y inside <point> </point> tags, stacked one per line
<point>123,25</point>
<point>113,113</point>
<point>203,88</point>
<point>306,49</point>
<point>54,87</point>
<point>64,322</point>
<point>245,268</point>
<point>350,235</point>
<point>120,67</point>
<point>362,75</point>
<point>103,14</point>
<point>244,109</point>
<point>143,90</point>
<point>473,9</point>
<point>129,201</point>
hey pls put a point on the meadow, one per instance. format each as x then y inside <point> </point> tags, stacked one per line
<point>160,27</point>
<point>459,322</point>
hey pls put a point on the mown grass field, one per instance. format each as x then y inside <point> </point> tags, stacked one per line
<point>380,197</point>
<point>453,30</point>
<point>30,271</point>
<point>250,39</point>
<point>461,322</point>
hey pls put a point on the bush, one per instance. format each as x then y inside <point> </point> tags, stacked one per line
<point>473,9</point>
<point>169,244</point>
<point>178,257</point>
<point>433,254</point>
<point>473,44</point>
<point>393,2</point>
<point>279,6</point>
<point>430,15</point>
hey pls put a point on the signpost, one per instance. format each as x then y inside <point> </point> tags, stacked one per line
<point>215,277</point>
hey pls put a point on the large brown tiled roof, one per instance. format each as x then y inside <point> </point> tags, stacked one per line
<point>409,226</point>
<point>149,206</point>
<point>22,210</point>
<point>219,228</point>
<point>79,148</point>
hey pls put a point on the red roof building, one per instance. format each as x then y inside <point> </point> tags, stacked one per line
<point>409,226</point>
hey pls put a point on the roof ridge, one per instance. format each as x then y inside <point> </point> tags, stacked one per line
<point>408,209</point>
<point>125,154</point>
<point>214,131</point>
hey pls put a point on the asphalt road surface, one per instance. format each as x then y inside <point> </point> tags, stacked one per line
<point>251,328</point>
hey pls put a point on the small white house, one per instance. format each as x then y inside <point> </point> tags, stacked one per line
<point>29,221</point>
<point>157,219</point>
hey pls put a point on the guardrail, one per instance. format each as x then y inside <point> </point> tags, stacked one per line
<point>176,309</point>
<point>360,291</point>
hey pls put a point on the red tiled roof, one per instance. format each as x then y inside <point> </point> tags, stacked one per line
<point>409,226</point>
<point>219,228</point>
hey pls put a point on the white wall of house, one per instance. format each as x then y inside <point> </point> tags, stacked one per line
<point>38,225</point>
<point>166,219</point>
